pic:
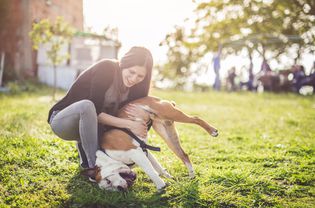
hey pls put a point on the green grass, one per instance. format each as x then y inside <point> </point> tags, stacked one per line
<point>264,156</point>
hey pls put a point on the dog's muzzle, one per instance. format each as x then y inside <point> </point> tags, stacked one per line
<point>129,177</point>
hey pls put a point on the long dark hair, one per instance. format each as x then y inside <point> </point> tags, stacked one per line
<point>138,56</point>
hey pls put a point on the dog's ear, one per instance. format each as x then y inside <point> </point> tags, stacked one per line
<point>87,172</point>
<point>91,172</point>
<point>98,176</point>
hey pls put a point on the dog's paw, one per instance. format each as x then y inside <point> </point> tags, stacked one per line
<point>166,174</point>
<point>192,175</point>
<point>162,189</point>
<point>215,133</point>
<point>160,185</point>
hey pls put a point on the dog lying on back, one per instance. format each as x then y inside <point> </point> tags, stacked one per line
<point>121,149</point>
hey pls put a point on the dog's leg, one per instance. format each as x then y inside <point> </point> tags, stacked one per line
<point>138,156</point>
<point>168,132</point>
<point>157,166</point>
<point>170,112</point>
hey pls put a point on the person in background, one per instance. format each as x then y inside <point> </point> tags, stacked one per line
<point>216,68</point>
<point>249,83</point>
<point>231,79</point>
<point>298,77</point>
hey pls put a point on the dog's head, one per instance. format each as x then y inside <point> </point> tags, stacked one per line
<point>117,181</point>
<point>113,175</point>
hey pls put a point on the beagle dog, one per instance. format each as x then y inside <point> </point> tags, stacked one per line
<point>120,148</point>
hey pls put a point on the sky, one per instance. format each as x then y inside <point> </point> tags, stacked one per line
<point>139,22</point>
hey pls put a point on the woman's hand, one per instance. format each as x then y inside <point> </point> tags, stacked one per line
<point>134,112</point>
<point>139,128</point>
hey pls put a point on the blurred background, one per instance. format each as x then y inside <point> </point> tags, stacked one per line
<point>253,45</point>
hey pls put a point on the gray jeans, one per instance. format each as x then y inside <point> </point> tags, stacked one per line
<point>78,122</point>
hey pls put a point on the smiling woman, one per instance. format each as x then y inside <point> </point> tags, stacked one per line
<point>133,75</point>
<point>92,102</point>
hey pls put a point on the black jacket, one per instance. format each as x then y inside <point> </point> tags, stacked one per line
<point>92,85</point>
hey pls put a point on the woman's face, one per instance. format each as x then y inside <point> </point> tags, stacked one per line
<point>133,75</point>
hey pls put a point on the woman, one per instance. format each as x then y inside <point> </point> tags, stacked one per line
<point>95,97</point>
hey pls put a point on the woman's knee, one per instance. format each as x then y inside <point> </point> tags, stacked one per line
<point>87,106</point>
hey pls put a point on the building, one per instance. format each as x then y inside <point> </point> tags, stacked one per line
<point>16,19</point>
<point>85,49</point>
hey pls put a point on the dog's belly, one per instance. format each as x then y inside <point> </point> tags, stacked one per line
<point>123,156</point>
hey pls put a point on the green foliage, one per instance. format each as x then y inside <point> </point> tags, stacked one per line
<point>180,57</point>
<point>17,88</point>
<point>271,27</point>
<point>56,34</point>
<point>263,157</point>
<point>262,25</point>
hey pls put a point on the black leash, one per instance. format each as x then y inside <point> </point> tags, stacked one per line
<point>143,145</point>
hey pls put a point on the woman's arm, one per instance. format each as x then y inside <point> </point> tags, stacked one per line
<point>139,128</point>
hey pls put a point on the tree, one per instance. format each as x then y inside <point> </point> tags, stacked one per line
<point>264,26</point>
<point>180,56</point>
<point>55,36</point>
<point>9,39</point>
<point>273,25</point>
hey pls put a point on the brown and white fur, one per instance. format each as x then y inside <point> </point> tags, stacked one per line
<point>124,149</point>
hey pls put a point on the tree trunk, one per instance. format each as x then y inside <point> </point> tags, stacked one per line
<point>2,58</point>
<point>250,56</point>
<point>298,55</point>
<point>55,83</point>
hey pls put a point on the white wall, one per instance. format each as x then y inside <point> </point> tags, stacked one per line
<point>65,76</point>
<point>83,53</point>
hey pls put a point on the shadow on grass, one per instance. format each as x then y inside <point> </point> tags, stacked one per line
<point>85,194</point>
<point>184,193</point>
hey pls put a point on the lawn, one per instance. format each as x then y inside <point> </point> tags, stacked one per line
<point>263,157</point>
